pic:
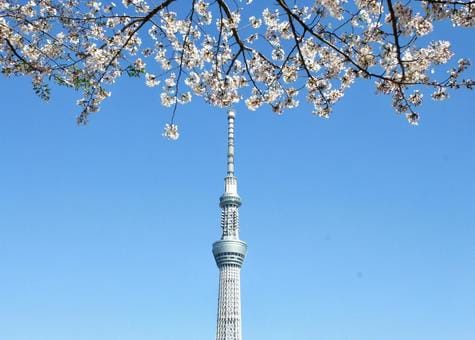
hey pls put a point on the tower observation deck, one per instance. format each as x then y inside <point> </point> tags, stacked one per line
<point>229,251</point>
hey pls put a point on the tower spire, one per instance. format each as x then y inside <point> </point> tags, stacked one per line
<point>231,116</point>
<point>229,251</point>
<point>230,181</point>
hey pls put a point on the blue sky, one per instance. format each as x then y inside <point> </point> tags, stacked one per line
<point>360,227</point>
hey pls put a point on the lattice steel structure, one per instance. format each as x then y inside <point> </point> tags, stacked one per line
<point>229,252</point>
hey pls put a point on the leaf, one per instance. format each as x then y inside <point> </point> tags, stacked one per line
<point>133,72</point>
<point>42,90</point>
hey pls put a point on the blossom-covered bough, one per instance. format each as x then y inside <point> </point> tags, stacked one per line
<point>231,50</point>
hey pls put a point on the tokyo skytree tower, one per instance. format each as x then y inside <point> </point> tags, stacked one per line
<point>229,252</point>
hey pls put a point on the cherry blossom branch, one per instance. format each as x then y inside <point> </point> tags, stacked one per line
<point>396,37</point>
<point>180,69</point>
<point>82,118</point>
<point>14,51</point>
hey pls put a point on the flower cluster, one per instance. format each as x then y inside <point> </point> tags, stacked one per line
<point>171,131</point>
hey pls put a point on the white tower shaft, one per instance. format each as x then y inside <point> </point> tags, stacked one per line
<point>229,252</point>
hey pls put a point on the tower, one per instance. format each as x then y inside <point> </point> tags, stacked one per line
<point>229,251</point>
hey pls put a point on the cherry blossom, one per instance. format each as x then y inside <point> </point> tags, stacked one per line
<point>228,52</point>
<point>171,131</point>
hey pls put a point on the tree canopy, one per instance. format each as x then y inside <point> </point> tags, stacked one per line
<point>227,51</point>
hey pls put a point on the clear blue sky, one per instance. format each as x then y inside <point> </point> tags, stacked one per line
<point>360,227</point>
